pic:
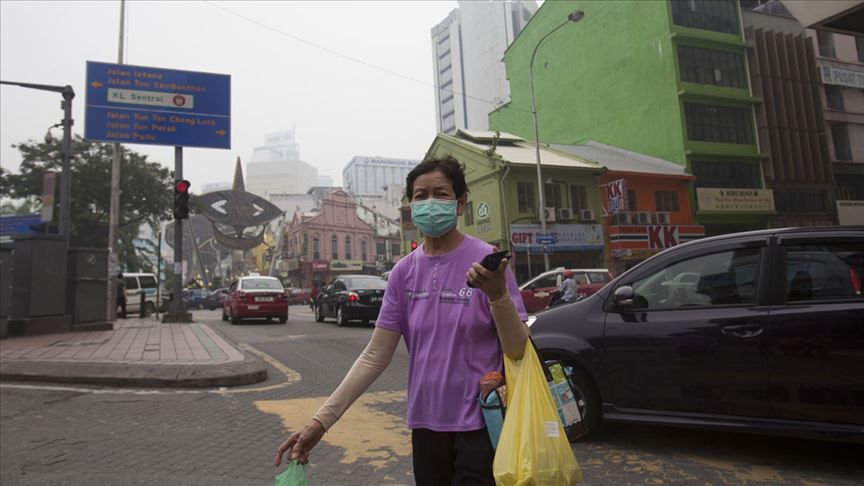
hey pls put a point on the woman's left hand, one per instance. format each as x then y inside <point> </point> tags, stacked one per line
<point>493,284</point>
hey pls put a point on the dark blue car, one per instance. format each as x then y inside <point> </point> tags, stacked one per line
<point>760,331</point>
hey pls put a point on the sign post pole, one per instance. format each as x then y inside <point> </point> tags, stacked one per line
<point>177,312</point>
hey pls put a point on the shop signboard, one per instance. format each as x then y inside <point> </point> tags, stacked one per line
<point>850,212</point>
<point>346,265</point>
<point>565,237</point>
<point>641,241</point>
<point>320,265</point>
<point>616,200</point>
<point>735,200</point>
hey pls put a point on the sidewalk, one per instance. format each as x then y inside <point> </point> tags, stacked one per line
<point>139,352</point>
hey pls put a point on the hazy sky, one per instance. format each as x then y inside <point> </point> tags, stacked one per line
<point>340,108</point>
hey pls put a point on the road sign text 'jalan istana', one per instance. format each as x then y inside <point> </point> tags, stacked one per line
<point>135,104</point>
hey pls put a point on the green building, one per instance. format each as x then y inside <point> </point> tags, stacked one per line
<point>663,78</point>
<point>501,173</point>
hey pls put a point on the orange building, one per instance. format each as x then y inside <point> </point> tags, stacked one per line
<point>645,201</point>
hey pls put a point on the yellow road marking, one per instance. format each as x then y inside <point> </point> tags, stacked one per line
<point>365,433</point>
<point>291,376</point>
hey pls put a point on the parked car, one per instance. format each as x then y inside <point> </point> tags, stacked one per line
<point>255,296</point>
<point>760,331</point>
<point>214,299</point>
<point>299,296</point>
<point>138,284</point>
<point>537,292</point>
<point>351,297</point>
<point>194,298</point>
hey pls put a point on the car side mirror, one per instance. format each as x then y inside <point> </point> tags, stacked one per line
<point>624,296</point>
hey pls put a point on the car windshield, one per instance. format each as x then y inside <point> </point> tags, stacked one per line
<point>370,283</point>
<point>261,284</point>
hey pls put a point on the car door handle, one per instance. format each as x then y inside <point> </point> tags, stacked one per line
<point>743,330</point>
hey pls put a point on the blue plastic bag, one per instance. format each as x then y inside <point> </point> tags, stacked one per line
<point>294,475</point>
<point>493,414</point>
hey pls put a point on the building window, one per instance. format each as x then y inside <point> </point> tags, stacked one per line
<point>363,253</point>
<point>347,247</point>
<point>714,123</point>
<point>826,43</point>
<point>631,200</point>
<point>859,44</point>
<point>334,247</point>
<point>305,247</point>
<point>710,66</point>
<point>666,200</point>
<point>716,15</point>
<point>469,213</point>
<point>552,195</point>
<point>795,202</point>
<point>316,252</point>
<point>525,196</point>
<point>727,174</point>
<point>834,96</point>
<point>395,250</point>
<point>381,249</point>
<point>579,198</point>
<point>840,137</point>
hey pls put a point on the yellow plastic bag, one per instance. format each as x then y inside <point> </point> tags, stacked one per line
<point>533,448</point>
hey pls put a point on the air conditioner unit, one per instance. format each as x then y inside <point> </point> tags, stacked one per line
<point>586,215</point>
<point>643,217</point>
<point>565,214</point>
<point>662,217</point>
<point>549,214</point>
<point>621,219</point>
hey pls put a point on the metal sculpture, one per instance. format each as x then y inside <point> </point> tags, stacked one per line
<point>239,218</point>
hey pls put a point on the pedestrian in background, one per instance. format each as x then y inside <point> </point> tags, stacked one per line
<point>121,295</point>
<point>454,334</point>
<point>567,289</point>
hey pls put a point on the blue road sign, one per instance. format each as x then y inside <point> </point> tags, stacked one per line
<point>16,225</point>
<point>546,239</point>
<point>135,104</point>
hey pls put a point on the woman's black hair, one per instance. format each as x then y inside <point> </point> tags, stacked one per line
<point>447,165</point>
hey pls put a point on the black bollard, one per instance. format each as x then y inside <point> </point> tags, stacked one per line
<point>142,308</point>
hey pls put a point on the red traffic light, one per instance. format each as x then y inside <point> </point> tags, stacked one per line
<point>413,245</point>
<point>182,185</point>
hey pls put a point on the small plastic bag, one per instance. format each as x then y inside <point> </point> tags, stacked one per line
<point>294,475</point>
<point>533,448</point>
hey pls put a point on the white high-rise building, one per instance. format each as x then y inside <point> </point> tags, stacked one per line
<point>467,51</point>
<point>367,176</point>
<point>276,167</point>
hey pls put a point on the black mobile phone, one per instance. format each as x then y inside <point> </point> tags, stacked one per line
<point>492,261</point>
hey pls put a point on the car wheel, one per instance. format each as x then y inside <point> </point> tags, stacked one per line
<point>588,401</point>
<point>283,320</point>
<point>224,315</point>
<point>149,309</point>
<point>319,316</point>
<point>341,319</point>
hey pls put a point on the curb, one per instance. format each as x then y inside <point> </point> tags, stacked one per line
<point>250,370</point>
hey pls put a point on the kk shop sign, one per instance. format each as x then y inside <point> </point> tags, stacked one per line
<point>636,242</point>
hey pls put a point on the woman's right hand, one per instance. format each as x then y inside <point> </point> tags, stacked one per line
<point>300,444</point>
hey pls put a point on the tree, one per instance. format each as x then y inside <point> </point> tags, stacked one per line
<point>145,196</point>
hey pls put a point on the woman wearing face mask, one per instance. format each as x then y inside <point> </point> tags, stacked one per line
<point>454,334</point>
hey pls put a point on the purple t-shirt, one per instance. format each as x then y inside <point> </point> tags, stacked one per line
<point>449,331</point>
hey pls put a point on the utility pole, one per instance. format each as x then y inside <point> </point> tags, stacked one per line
<point>114,209</point>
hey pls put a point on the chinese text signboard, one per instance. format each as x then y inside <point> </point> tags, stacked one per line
<point>135,104</point>
<point>737,200</point>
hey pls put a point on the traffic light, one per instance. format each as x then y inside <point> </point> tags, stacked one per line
<point>413,245</point>
<point>181,199</point>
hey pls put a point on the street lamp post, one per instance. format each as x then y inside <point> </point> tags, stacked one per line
<point>66,176</point>
<point>574,16</point>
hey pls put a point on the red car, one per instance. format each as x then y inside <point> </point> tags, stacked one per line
<point>537,292</point>
<point>255,296</point>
